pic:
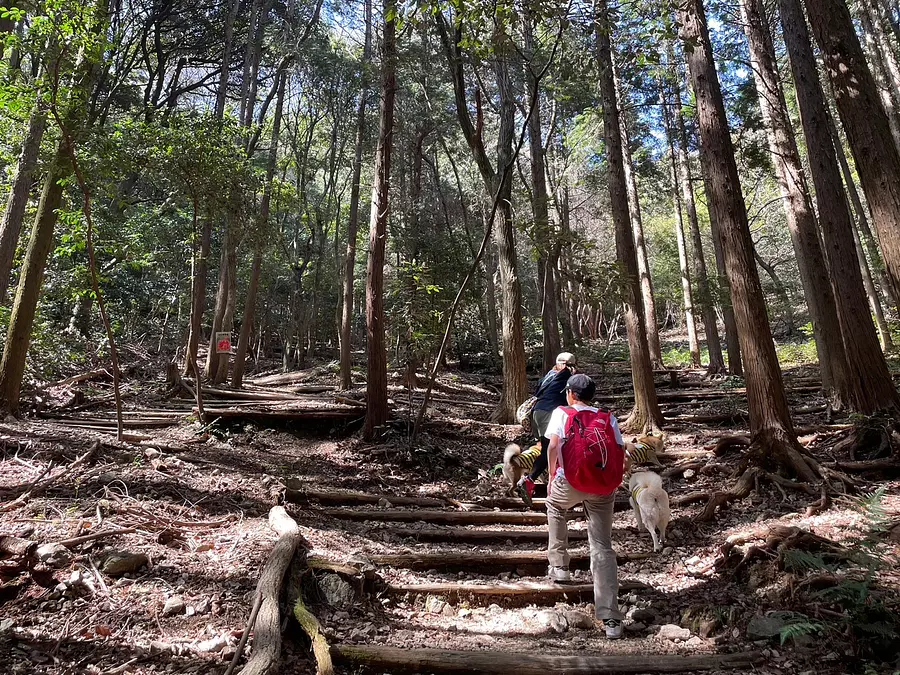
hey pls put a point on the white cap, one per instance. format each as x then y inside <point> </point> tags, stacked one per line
<point>566,357</point>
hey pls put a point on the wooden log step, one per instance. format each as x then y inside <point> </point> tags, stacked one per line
<point>509,592</point>
<point>456,517</point>
<point>463,534</point>
<point>393,659</point>
<point>280,414</point>
<point>507,559</point>
<point>295,495</point>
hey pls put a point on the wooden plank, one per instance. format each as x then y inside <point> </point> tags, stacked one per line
<point>512,559</point>
<point>457,517</point>
<point>530,590</point>
<point>466,535</point>
<point>394,659</point>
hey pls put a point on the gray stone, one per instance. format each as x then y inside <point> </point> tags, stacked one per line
<point>671,631</point>
<point>341,616</point>
<point>6,624</point>
<point>577,619</point>
<point>635,627</point>
<point>694,641</point>
<point>202,606</point>
<point>553,621</point>
<point>766,627</point>
<point>668,550</point>
<point>118,563</point>
<point>644,614</point>
<point>434,605</point>
<point>708,627</point>
<point>689,473</point>
<point>173,606</point>
<point>54,555</point>
<point>338,593</point>
<point>448,610</point>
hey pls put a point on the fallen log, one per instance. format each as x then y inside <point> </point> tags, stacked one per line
<point>16,546</point>
<point>267,632</point>
<point>457,517</point>
<point>467,535</point>
<point>75,541</point>
<point>394,659</point>
<point>101,372</point>
<point>280,414</point>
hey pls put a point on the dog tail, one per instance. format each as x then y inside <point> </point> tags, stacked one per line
<point>512,450</point>
<point>648,479</point>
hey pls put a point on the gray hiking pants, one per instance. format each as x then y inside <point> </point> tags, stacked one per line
<point>599,512</point>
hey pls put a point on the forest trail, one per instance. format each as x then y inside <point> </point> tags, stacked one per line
<point>415,560</point>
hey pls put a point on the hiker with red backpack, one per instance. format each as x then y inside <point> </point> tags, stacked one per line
<point>587,461</point>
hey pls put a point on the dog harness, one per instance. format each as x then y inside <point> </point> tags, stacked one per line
<point>636,492</point>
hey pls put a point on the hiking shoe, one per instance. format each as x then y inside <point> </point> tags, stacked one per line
<point>613,628</point>
<point>560,575</point>
<point>525,490</point>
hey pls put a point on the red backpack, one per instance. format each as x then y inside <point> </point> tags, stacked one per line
<point>592,458</point>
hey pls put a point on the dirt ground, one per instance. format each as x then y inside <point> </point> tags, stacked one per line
<point>171,592</point>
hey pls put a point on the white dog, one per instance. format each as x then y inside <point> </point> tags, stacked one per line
<point>651,505</point>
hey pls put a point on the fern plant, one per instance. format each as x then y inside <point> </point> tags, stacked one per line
<point>860,607</point>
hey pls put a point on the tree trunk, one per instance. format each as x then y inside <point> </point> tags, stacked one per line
<point>222,89</point>
<point>261,235</point>
<point>687,295</point>
<point>884,331</point>
<point>797,204</point>
<point>878,53</point>
<point>544,233</point>
<point>199,267</point>
<point>31,276</point>
<point>869,385</point>
<point>780,291</point>
<point>710,323</point>
<point>14,214</point>
<point>490,297</point>
<point>865,122</point>
<point>640,245</point>
<point>866,237</point>
<point>353,221</point>
<point>770,417</point>
<point>646,415</point>
<point>515,384</point>
<point>376,388</point>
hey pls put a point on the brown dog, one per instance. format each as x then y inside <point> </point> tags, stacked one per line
<point>516,462</point>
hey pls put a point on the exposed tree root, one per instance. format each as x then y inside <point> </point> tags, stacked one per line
<point>267,634</point>
<point>727,443</point>
<point>776,541</point>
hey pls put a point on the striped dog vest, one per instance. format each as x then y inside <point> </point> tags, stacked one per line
<point>526,459</point>
<point>642,454</point>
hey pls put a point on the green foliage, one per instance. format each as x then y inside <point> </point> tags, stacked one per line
<point>796,353</point>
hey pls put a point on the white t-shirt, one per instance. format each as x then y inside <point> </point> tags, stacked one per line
<point>557,427</point>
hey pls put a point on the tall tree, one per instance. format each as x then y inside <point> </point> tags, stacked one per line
<point>770,419</point>
<point>548,244</point>
<point>70,111</point>
<point>646,415</point>
<point>17,201</point>
<point>683,265</point>
<point>376,386</point>
<point>710,323</point>
<point>640,242</point>
<point>868,384</point>
<point>497,182</point>
<point>353,218</point>
<point>795,196</point>
<point>262,229</point>
<point>866,124</point>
